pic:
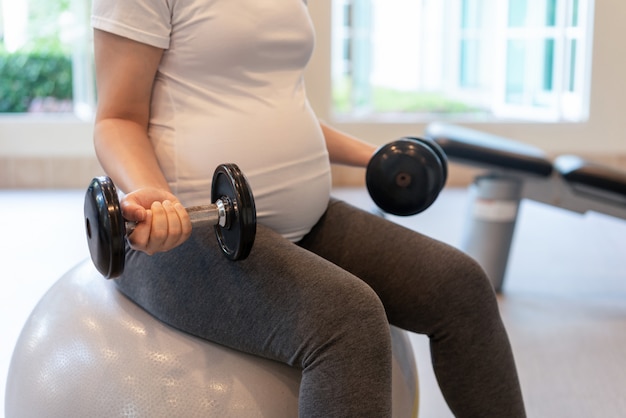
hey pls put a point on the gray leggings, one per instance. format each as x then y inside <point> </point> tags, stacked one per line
<point>324,305</point>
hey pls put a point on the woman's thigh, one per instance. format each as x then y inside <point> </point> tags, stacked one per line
<point>423,283</point>
<point>282,302</point>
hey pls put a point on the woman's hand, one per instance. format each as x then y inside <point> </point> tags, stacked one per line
<point>162,221</point>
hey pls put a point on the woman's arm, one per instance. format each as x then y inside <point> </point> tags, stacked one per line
<point>125,72</point>
<point>346,149</point>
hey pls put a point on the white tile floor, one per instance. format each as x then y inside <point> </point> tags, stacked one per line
<point>564,301</point>
<point>42,237</point>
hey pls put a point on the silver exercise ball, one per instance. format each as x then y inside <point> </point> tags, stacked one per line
<point>88,351</point>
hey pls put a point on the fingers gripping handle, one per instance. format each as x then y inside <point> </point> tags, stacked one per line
<point>214,214</point>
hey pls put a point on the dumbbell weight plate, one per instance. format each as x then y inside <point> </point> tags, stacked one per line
<point>404,177</point>
<point>443,158</point>
<point>237,237</point>
<point>105,227</point>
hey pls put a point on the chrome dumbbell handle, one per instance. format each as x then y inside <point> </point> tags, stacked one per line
<point>214,214</point>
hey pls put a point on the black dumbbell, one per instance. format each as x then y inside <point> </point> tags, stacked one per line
<point>405,177</point>
<point>232,213</point>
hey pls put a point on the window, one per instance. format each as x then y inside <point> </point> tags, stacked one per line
<point>482,59</point>
<point>46,64</point>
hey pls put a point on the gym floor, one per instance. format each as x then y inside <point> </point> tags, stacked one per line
<point>564,298</point>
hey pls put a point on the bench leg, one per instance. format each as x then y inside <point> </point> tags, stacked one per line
<point>491,221</point>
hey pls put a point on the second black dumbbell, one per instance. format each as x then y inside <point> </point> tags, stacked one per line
<point>406,176</point>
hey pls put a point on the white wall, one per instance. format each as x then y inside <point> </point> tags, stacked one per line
<point>45,136</point>
<point>604,133</point>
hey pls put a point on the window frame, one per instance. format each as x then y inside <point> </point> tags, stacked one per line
<point>563,105</point>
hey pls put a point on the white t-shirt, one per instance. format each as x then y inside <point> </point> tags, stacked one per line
<point>230,89</point>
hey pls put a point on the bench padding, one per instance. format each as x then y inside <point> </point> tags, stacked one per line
<point>478,148</point>
<point>576,170</point>
<point>515,171</point>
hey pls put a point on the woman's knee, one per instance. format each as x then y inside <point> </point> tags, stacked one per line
<point>350,320</point>
<point>465,290</point>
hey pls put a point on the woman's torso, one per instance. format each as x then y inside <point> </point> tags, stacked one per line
<point>229,89</point>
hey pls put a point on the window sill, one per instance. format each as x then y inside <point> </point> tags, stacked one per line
<point>18,118</point>
<point>45,135</point>
<point>425,118</point>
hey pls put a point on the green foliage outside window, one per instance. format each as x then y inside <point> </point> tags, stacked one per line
<point>385,100</point>
<point>38,76</point>
<point>34,81</point>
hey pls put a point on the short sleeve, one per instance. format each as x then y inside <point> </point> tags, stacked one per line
<point>146,21</point>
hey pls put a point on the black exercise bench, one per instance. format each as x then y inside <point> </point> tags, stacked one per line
<point>514,171</point>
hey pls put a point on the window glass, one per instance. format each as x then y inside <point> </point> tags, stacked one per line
<point>471,16</point>
<point>534,13</point>
<point>517,13</point>
<point>529,76</point>
<point>548,65</point>
<point>45,57</point>
<point>551,12</point>
<point>470,58</point>
<point>574,13</point>
<point>470,63</point>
